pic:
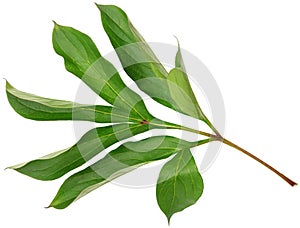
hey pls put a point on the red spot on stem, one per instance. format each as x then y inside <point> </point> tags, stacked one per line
<point>144,122</point>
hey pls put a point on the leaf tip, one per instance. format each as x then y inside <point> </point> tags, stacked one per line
<point>51,205</point>
<point>58,204</point>
<point>15,167</point>
<point>177,40</point>
<point>169,219</point>
<point>11,168</point>
<point>99,6</point>
<point>48,207</point>
<point>56,25</point>
<point>8,86</point>
<point>7,83</point>
<point>107,8</point>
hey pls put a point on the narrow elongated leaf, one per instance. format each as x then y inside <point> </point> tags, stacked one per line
<point>182,93</point>
<point>38,108</point>
<point>179,77</point>
<point>138,59</point>
<point>179,184</point>
<point>124,159</point>
<point>93,142</point>
<point>179,63</point>
<point>83,59</point>
<point>139,62</point>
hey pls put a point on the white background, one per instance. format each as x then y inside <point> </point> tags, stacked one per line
<point>251,47</point>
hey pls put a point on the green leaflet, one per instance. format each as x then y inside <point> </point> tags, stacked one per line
<point>141,64</point>
<point>179,77</point>
<point>179,185</point>
<point>179,63</point>
<point>182,94</point>
<point>83,59</point>
<point>57,164</point>
<point>38,108</point>
<point>138,60</point>
<point>124,159</point>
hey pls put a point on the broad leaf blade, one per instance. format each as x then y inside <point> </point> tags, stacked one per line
<point>179,185</point>
<point>124,159</point>
<point>139,61</point>
<point>38,108</point>
<point>57,164</point>
<point>83,59</point>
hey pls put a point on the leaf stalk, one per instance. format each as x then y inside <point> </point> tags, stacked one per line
<point>218,137</point>
<point>285,178</point>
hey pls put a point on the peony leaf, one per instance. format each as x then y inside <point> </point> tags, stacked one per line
<point>57,164</point>
<point>38,108</point>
